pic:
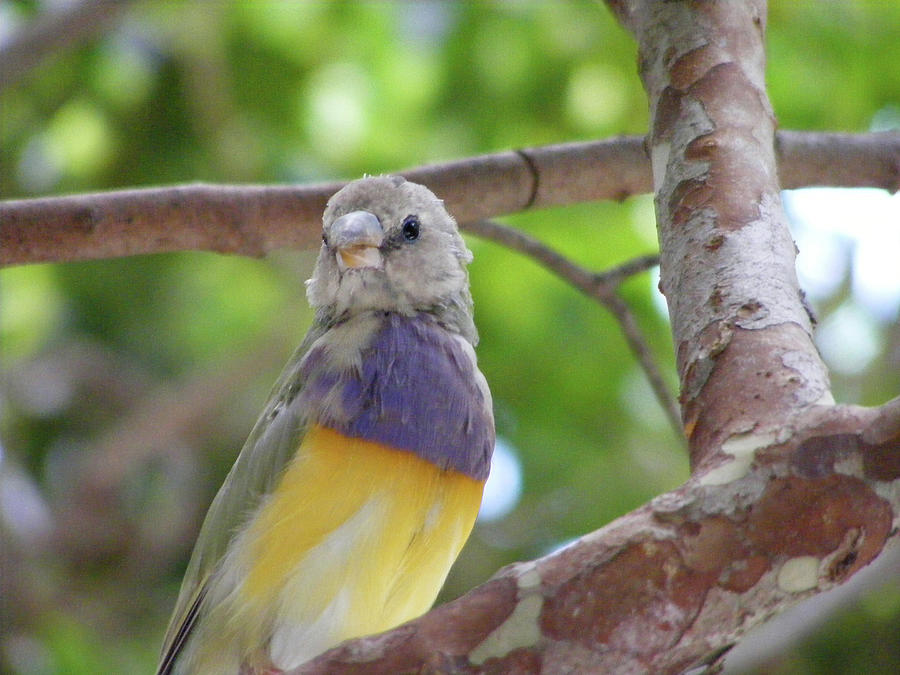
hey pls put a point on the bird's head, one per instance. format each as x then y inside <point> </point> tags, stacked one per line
<point>388,244</point>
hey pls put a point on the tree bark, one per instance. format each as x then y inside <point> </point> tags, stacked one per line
<point>251,220</point>
<point>674,584</point>
<point>726,254</point>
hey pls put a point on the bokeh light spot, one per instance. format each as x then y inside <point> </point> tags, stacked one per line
<point>504,486</point>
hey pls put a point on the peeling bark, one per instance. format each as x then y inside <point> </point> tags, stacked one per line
<point>674,584</point>
<point>727,257</point>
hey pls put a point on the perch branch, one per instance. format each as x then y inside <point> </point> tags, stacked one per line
<point>671,585</point>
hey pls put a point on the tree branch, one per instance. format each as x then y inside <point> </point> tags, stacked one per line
<point>840,160</point>
<point>52,33</point>
<point>603,287</point>
<point>673,584</point>
<point>251,220</point>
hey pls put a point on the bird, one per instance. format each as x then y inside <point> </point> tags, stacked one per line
<point>361,480</point>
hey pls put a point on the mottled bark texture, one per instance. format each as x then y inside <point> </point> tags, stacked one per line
<point>674,584</point>
<point>742,335</point>
<point>790,494</point>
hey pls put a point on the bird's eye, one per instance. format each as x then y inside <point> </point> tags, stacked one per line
<point>410,228</point>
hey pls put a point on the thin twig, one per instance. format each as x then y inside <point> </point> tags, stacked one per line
<point>616,275</point>
<point>601,286</point>
<point>524,243</point>
<point>644,355</point>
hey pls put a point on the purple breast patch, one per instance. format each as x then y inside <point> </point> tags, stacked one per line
<point>417,390</point>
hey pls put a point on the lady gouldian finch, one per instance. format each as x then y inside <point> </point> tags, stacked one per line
<point>361,480</point>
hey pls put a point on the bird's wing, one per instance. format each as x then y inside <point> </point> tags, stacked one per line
<point>271,445</point>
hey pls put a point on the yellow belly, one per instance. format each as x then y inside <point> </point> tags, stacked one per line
<point>357,538</point>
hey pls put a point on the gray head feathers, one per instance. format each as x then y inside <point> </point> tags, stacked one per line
<point>390,245</point>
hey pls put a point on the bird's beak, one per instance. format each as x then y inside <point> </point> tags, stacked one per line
<point>357,237</point>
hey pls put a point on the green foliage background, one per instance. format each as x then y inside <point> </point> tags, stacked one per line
<point>130,384</point>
